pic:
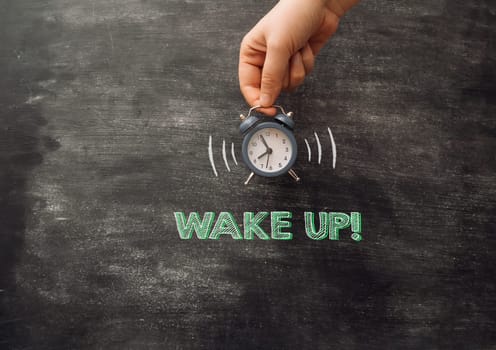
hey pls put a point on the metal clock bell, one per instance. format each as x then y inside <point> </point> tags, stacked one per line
<point>269,146</point>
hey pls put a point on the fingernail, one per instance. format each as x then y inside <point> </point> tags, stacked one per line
<point>265,100</point>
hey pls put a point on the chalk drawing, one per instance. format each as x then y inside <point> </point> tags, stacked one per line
<point>333,145</point>
<point>309,151</point>
<point>224,155</point>
<point>319,148</point>
<point>211,155</point>
<point>233,154</point>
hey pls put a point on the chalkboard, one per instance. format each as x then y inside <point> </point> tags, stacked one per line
<point>108,113</point>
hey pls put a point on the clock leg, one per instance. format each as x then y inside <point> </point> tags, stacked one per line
<point>295,176</point>
<point>249,178</point>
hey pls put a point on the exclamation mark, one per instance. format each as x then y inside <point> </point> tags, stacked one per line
<point>356,226</point>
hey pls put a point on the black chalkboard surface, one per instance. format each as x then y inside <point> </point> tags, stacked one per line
<point>108,111</point>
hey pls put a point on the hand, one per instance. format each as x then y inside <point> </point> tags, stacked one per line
<point>280,50</point>
<point>268,151</point>
<point>263,154</point>
<point>264,142</point>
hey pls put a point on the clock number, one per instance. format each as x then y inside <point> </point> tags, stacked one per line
<point>267,134</point>
<point>270,168</point>
<point>283,141</point>
<point>261,166</point>
<point>285,157</point>
<point>254,160</point>
<point>280,165</point>
<point>251,153</point>
<point>254,144</point>
<point>287,149</point>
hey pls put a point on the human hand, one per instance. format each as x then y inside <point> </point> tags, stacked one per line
<point>280,50</point>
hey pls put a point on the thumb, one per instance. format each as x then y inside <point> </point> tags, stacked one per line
<point>274,69</point>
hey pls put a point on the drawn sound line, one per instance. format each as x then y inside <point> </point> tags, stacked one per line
<point>232,153</point>
<point>333,148</point>
<point>211,155</point>
<point>224,151</point>
<point>319,148</point>
<point>224,155</point>
<point>309,151</point>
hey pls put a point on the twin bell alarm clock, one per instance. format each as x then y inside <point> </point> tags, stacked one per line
<point>269,146</point>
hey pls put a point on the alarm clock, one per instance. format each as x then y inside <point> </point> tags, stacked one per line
<point>269,146</point>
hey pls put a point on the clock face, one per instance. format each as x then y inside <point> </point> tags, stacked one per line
<point>270,149</point>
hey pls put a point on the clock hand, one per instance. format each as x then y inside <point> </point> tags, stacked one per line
<point>263,154</point>
<point>265,143</point>
<point>269,151</point>
<point>268,155</point>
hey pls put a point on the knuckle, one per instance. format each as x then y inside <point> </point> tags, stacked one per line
<point>278,46</point>
<point>297,79</point>
<point>270,80</point>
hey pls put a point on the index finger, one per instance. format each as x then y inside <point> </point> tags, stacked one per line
<point>250,77</point>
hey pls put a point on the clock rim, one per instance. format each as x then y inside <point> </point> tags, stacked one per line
<point>266,125</point>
